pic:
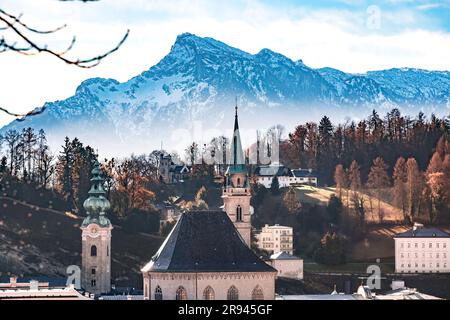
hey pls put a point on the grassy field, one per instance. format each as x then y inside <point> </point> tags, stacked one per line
<point>318,195</point>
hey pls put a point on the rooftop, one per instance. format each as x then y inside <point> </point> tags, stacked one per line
<point>283,255</point>
<point>423,233</point>
<point>205,241</point>
<point>304,173</point>
<point>273,170</point>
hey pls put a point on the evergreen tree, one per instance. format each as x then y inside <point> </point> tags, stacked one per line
<point>378,179</point>
<point>275,186</point>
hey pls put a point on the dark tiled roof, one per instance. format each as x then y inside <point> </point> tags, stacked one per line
<point>423,233</point>
<point>304,173</point>
<point>273,170</point>
<point>205,241</point>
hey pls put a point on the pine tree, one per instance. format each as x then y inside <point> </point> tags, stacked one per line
<point>64,172</point>
<point>378,179</point>
<point>275,186</point>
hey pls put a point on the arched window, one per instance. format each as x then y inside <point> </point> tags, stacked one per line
<point>238,213</point>
<point>181,293</point>
<point>257,293</point>
<point>158,293</point>
<point>238,182</point>
<point>233,293</point>
<point>208,293</point>
<point>93,251</point>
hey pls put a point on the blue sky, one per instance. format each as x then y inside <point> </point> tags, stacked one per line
<point>351,35</point>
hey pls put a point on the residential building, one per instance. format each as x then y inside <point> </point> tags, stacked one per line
<point>169,172</point>
<point>276,238</point>
<point>422,250</point>
<point>305,177</point>
<point>286,177</point>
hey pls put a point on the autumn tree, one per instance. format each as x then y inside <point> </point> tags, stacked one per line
<point>291,201</point>
<point>340,178</point>
<point>400,180</point>
<point>354,176</point>
<point>414,183</point>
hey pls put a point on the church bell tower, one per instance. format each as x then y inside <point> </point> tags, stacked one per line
<point>96,238</point>
<point>236,190</point>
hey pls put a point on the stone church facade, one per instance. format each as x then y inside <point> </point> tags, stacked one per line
<point>207,254</point>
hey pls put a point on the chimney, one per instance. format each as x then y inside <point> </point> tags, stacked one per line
<point>13,281</point>
<point>34,285</point>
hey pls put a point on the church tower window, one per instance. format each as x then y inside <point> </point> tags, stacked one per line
<point>208,293</point>
<point>181,293</point>
<point>158,293</point>
<point>238,213</point>
<point>233,293</point>
<point>93,251</point>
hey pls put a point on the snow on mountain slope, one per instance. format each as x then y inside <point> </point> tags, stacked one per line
<point>198,81</point>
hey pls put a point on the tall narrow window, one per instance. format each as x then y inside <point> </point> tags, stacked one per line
<point>238,182</point>
<point>93,283</point>
<point>257,293</point>
<point>208,293</point>
<point>158,293</point>
<point>93,251</point>
<point>238,213</point>
<point>233,293</point>
<point>181,293</point>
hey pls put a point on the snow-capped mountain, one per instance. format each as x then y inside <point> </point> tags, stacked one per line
<point>197,82</point>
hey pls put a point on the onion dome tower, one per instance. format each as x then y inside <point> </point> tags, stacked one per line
<point>96,238</point>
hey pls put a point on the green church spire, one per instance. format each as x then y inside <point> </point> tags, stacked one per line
<point>237,160</point>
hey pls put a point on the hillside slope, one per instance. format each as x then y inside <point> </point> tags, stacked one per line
<point>39,241</point>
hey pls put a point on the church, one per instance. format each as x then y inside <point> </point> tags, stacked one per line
<point>207,254</point>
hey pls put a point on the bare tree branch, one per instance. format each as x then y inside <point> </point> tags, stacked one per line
<point>27,46</point>
<point>14,23</point>
<point>22,116</point>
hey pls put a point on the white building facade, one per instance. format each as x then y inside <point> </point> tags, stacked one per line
<point>287,265</point>
<point>264,175</point>
<point>276,238</point>
<point>422,250</point>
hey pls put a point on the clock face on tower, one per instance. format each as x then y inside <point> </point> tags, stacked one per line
<point>94,230</point>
